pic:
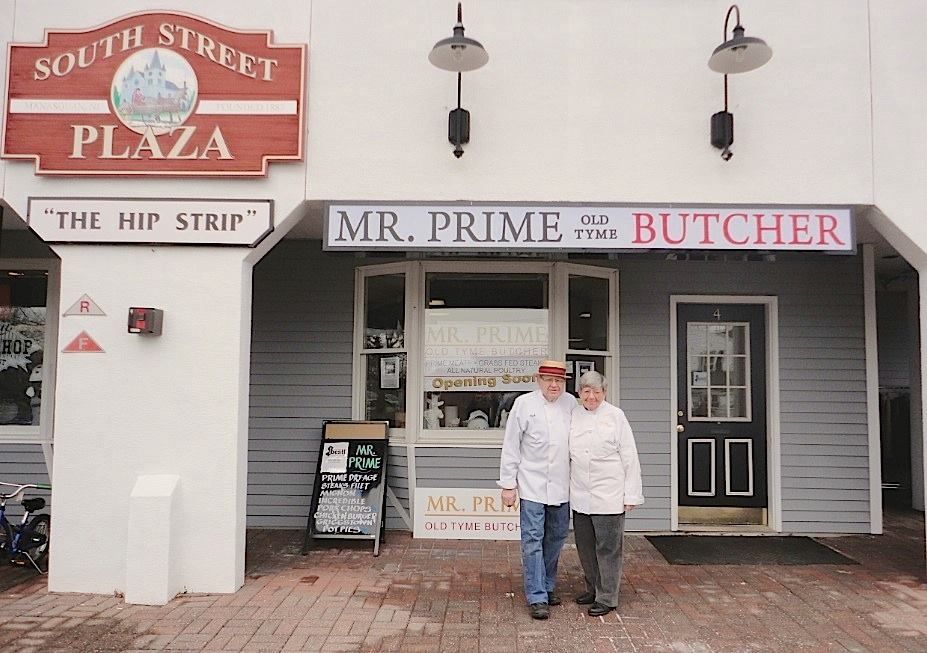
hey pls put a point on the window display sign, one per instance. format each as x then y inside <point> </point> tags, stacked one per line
<point>484,349</point>
<point>349,497</point>
<point>155,93</point>
<point>134,220</point>
<point>464,514</point>
<point>22,334</point>
<point>505,227</point>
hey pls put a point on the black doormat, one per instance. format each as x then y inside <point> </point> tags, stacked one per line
<point>749,550</point>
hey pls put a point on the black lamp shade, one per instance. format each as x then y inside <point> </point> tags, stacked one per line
<point>722,129</point>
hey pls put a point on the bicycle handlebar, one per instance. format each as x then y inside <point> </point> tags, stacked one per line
<point>21,488</point>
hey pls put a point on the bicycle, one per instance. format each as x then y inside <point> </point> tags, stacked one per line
<point>28,540</point>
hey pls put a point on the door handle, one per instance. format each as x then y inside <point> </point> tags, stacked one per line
<point>680,428</point>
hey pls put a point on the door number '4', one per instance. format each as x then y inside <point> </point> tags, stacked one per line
<point>717,314</point>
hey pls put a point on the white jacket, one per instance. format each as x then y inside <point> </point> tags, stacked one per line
<point>535,452</point>
<point>605,473</point>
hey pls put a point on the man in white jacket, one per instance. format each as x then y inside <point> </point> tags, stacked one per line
<point>605,483</point>
<point>535,469</point>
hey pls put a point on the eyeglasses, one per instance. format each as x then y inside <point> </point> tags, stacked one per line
<point>553,379</point>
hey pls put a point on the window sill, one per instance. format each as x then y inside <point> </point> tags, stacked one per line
<point>461,437</point>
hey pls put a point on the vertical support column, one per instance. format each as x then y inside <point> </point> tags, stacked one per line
<point>168,406</point>
<point>917,423</point>
<point>872,392</point>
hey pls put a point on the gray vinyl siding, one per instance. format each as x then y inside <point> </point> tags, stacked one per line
<point>23,464</point>
<point>301,350</point>
<point>823,422</point>
<point>301,375</point>
<point>893,324</point>
<point>457,467</point>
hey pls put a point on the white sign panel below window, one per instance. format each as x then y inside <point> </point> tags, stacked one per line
<point>481,349</point>
<point>162,221</point>
<point>502,227</point>
<point>464,514</point>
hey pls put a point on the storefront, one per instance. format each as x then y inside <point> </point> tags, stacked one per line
<point>324,245</point>
<point>734,426</point>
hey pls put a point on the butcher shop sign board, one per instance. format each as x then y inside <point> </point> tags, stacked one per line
<point>155,93</point>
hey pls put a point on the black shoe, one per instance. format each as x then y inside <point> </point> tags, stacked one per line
<point>539,611</point>
<point>586,598</point>
<point>553,598</point>
<point>598,609</point>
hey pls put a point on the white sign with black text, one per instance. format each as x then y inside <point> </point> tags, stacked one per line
<point>503,227</point>
<point>135,220</point>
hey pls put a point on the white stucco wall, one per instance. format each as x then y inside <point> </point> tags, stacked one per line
<point>590,101</point>
<point>899,134</point>
<point>170,405</point>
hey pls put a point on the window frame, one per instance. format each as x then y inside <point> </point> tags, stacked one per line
<point>415,272</point>
<point>42,434</point>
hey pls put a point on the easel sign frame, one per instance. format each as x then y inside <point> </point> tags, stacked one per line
<point>349,495</point>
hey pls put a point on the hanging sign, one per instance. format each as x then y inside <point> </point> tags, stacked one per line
<point>507,227</point>
<point>349,496</point>
<point>84,306</point>
<point>129,220</point>
<point>155,93</point>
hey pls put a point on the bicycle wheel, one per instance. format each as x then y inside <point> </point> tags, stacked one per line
<point>35,538</point>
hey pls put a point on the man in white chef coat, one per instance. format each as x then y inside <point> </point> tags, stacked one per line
<point>535,469</point>
<point>605,484</point>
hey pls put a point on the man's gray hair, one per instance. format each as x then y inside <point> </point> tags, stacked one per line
<point>594,380</point>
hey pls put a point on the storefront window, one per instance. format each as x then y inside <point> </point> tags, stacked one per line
<point>384,348</point>
<point>588,327</point>
<point>22,344</point>
<point>484,335</point>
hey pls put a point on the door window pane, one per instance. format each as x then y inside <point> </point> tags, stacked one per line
<point>22,345</point>
<point>722,391</point>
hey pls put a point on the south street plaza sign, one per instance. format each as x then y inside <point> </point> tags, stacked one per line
<point>155,93</point>
<point>581,227</point>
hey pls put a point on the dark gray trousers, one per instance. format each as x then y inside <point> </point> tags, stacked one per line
<point>598,542</point>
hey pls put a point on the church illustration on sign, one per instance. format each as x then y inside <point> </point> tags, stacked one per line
<point>150,94</point>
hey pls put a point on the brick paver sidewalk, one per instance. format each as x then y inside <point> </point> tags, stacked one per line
<point>431,595</point>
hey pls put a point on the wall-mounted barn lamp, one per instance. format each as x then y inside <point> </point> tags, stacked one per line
<point>458,54</point>
<point>740,54</point>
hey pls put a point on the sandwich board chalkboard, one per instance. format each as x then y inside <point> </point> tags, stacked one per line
<point>349,497</point>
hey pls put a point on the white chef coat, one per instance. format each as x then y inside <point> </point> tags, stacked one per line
<point>535,452</point>
<point>605,473</point>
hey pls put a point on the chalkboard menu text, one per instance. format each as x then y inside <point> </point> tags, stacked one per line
<point>348,500</point>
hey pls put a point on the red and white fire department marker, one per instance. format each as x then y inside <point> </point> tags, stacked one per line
<point>84,306</point>
<point>82,344</point>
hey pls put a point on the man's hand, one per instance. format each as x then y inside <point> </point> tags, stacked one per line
<point>508,498</point>
<point>628,507</point>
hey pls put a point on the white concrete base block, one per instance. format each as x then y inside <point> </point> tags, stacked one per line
<point>151,578</point>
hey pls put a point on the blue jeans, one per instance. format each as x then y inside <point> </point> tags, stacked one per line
<point>543,531</point>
